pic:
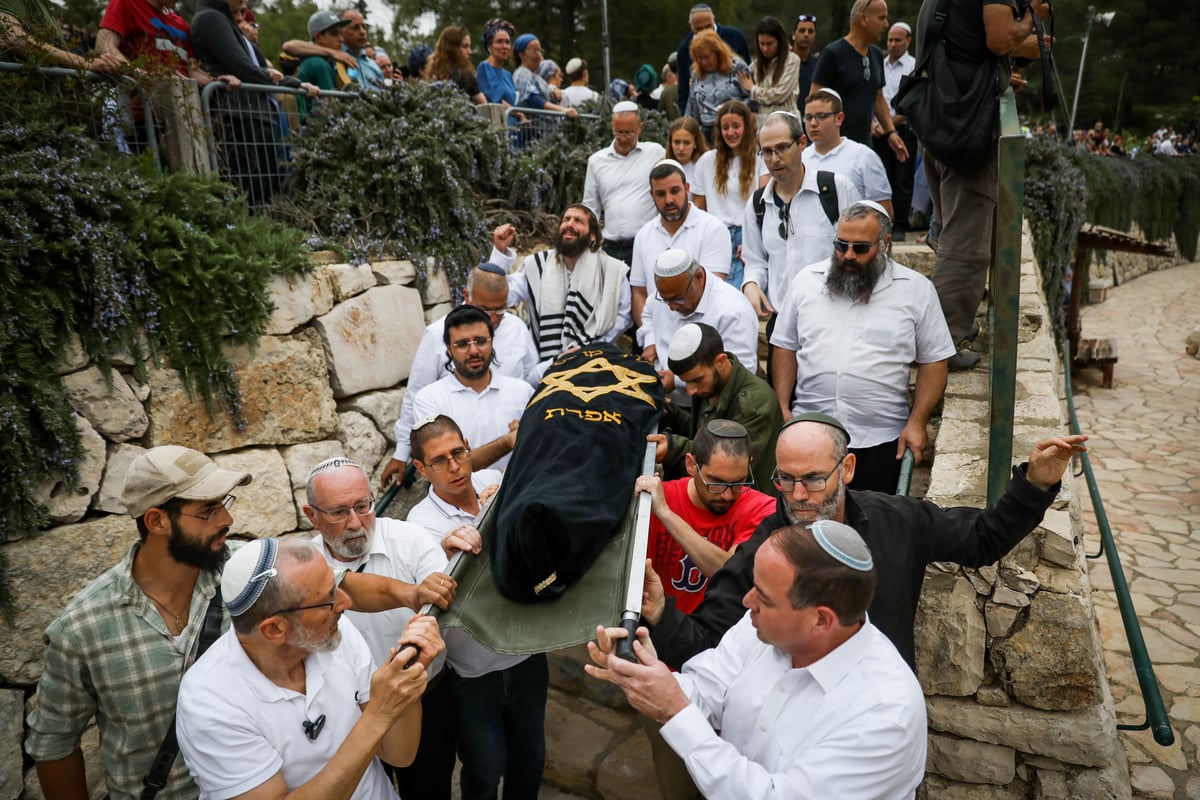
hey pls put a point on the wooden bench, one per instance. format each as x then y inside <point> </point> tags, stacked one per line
<point>1100,353</point>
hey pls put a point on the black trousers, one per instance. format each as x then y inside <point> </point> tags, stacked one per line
<point>899,174</point>
<point>876,468</point>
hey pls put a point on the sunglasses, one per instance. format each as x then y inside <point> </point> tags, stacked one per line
<point>807,18</point>
<point>862,248</point>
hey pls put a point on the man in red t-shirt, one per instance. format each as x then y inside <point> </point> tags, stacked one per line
<point>699,520</point>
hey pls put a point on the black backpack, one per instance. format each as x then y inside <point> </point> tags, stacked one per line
<point>826,188</point>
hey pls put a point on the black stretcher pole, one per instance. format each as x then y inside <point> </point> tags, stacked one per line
<point>637,564</point>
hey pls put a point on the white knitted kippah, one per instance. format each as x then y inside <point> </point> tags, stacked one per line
<point>246,574</point>
<point>843,543</point>
<point>672,262</point>
<point>684,343</point>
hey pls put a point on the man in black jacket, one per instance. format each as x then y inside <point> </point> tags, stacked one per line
<point>250,119</point>
<point>904,535</point>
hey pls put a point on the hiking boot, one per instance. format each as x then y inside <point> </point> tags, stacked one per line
<point>963,360</point>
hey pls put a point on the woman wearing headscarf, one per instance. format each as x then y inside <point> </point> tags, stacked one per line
<point>532,90</point>
<point>451,61</point>
<point>774,77</point>
<point>714,80</point>
<point>495,81</point>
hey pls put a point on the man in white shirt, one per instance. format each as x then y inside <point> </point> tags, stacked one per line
<point>288,699</point>
<point>342,510</point>
<point>499,700</point>
<point>679,224</point>
<point>575,292</point>
<point>615,185</point>
<point>794,230</point>
<point>847,333</point>
<point>488,405</point>
<point>831,151</point>
<point>685,293</point>
<point>516,356</point>
<point>898,63</point>
<point>810,699</point>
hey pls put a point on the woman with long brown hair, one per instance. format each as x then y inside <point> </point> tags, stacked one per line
<point>727,175</point>
<point>451,61</point>
<point>714,80</point>
<point>774,77</point>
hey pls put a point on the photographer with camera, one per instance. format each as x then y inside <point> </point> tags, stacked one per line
<point>974,45</point>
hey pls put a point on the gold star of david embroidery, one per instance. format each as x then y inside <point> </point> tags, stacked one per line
<point>626,381</point>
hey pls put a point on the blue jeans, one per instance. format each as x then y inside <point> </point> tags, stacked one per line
<point>501,720</point>
<point>736,267</point>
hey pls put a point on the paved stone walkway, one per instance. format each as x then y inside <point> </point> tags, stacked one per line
<point>1145,450</point>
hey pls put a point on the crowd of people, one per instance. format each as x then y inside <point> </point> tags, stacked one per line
<point>777,652</point>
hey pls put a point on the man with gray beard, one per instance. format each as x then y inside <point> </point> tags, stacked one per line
<point>847,333</point>
<point>904,535</point>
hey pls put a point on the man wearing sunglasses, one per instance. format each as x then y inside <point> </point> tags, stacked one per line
<point>848,332</point>
<point>802,45</point>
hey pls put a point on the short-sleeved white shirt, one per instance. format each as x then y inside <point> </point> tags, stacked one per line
<point>399,550</point>
<point>771,260</point>
<point>482,416</point>
<point>516,357</point>
<point>855,161</point>
<point>237,728</point>
<point>617,188</point>
<point>852,359</point>
<point>701,235</point>
<point>730,207</point>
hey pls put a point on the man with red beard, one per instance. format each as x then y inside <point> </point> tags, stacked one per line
<point>484,403</point>
<point>576,292</point>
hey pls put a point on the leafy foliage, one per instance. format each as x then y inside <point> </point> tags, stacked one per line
<point>403,172</point>
<point>101,245</point>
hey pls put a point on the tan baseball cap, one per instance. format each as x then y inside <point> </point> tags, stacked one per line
<point>169,471</point>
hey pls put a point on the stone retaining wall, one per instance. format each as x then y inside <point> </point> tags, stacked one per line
<point>1008,655</point>
<point>1124,267</point>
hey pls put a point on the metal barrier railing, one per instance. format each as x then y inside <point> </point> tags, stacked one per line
<point>1004,296</point>
<point>906,471</point>
<point>251,130</point>
<point>1156,712</point>
<point>108,113</point>
<point>536,123</point>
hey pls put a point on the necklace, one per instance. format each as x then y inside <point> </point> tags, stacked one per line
<point>180,621</point>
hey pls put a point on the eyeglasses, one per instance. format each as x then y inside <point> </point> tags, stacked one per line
<point>775,152</point>
<point>807,18</point>
<point>679,298</point>
<point>465,344</point>
<point>492,312</point>
<point>818,116</point>
<point>720,487</point>
<point>330,603</point>
<point>533,51</point>
<point>440,463</point>
<point>364,508</point>
<point>862,248</point>
<point>813,483</point>
<point>785,221</point>
<point>226,503</point>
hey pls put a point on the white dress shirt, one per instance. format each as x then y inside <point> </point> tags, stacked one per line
<point>849,726</point>
<point>469,658</point>
<point>893,71</point>
<point>771,260</point>
<point>617,188</point>
<point>852,359</point>
<point>855,161</point>
<point>482,416</point>
<point>701,235</point>
<point>730,207</point>
<point>516,357</point>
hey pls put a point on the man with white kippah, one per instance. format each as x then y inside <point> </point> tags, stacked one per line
<point>847,333</point>
<point>289,699</point>
<point>350,536</point>
<point>833,152</point>
<point>680,224</point>
<point>685,293</point>
<point>803,697</point>
<point>615,184</point>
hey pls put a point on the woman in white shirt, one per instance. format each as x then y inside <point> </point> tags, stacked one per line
<point>727,175</point>
<point>685,144</point>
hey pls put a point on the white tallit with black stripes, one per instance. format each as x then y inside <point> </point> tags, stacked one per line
<point>572,308</point>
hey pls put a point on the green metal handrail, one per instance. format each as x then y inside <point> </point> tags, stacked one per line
<point>387,498</point>
<point>906,469</point>
<point>1156,713</point>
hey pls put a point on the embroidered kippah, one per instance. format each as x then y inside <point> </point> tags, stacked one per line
<point>843,543</point>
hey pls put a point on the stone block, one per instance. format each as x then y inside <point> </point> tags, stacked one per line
<point>436,312</point>
<point>364,444</point>
<point>44,572</point>
<point>1060,581</point>
<point>955,474</point>
<point>1050,785</point>
<point>140,390</point>
<point>939,788</point>
<point>567,675</point>
<point>69,505</point>
<point>120,456</point>
<point>1051,663</point>
<point>992,696</point>
<point>298,298</point>
<point>1057,536</point>
<point>1020,580</point>
<point>350,280</point>
<point>1108,783</point>
<point>950,640</point>
<point>628,771</point>
<point>1023,556</point>
<point>970,761</point>
<point>299,460</point>
<point>577,734</point>
<point>370,339</point>
<point>12,707</point>
<point>1000,619</point>
<point>1085,738</point>
<point>264,506</point>
<point>109,405</point>
<point>961,435</point>
<point>383,407</point>
<point>980,581</point>
<point>72,358</point>
<point>285,399</point>
<point>394,273</point>
<point>437,288</point>
<point>1040,409</point>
